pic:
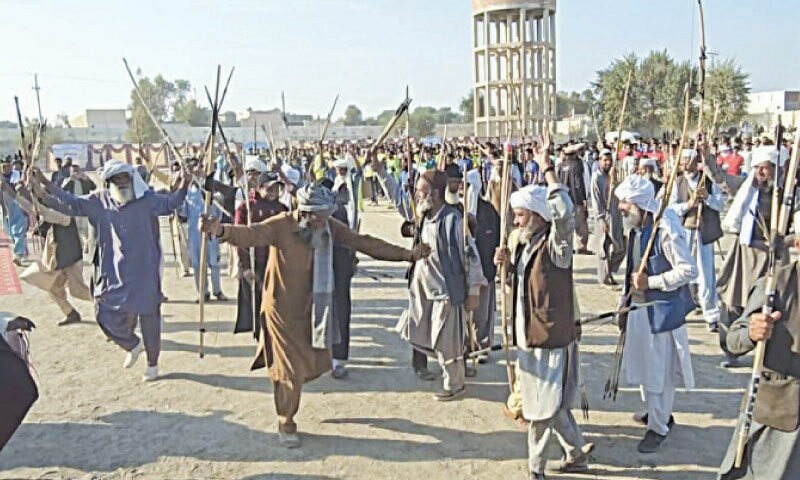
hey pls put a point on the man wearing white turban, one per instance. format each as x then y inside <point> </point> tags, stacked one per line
<point>298,288</point>
<point>543,319</point>
<point>656,351</point>
<point>748,217</point>
<point>127,281</point>
<point>702,228</point>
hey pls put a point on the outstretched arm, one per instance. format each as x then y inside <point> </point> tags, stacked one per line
<point>259,234</point>
<point>65,202</point>
<point>374,247</point>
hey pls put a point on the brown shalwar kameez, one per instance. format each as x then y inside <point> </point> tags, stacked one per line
<point>287,301</point>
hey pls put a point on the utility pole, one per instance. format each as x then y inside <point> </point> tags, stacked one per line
<point>38,103</point>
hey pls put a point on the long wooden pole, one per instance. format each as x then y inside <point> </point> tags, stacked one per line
<point>505,191</point>
<point>241,178</point>
<point>781,212</point>
<point>328,121</point>
<point>616,168</point>
<point>206,209</point>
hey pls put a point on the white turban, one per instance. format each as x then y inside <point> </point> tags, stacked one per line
<point>605,152</point>
<point>533,198</point>
<point>115,167</point>
<point>690,153</point>
<point>639,191</point>
<point>648,162</point>
<point>340,163</point>
<point>253,163</point>
<point>291,174</point>
<point>769,153</point>
<point>474,190</point>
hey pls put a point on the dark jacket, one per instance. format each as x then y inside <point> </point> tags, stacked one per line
<point>87,185</point>
<point>570,174</point>
<point>778,401</point>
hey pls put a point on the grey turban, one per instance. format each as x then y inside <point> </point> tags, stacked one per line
<point>315,198</point>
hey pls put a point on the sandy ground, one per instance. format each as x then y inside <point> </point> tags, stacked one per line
<point>213,418</point>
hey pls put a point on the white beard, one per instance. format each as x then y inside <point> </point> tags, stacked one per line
<point>121,195</point>
<point>452,198</point>
<point>525,235</point>
<point>425,205</point>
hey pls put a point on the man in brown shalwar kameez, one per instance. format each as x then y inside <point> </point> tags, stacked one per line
<point>298,292</point>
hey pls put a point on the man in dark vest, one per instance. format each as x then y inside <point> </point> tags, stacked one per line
<point>773,445</point>
<point>570,172</point>
<point>702,228</point>
<point>656,351</point>
<point>61,266</point>
<point>544,329</point>
<point>485,229</point>
<point>442,290</point>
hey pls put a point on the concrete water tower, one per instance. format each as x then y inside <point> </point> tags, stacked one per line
<point>514,63</point>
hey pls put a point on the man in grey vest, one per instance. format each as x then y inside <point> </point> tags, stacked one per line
<point>440,294</point>
<point>702,228</point>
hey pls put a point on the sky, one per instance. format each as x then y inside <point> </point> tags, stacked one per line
<point>365,50</point>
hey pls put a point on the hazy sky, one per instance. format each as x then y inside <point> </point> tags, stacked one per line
<point>365,50</point>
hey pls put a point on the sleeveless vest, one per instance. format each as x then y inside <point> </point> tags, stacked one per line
<point>548,297</point>
<point>671,307</point>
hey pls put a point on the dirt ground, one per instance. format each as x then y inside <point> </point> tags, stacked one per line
<point>213,418</point>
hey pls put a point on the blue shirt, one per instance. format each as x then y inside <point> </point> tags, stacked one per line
<point>128,251</point>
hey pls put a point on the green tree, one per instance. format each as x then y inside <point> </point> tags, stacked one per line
<point>727,87</point>
<point>189,112</point>
<point>610,89</point>
<point>162,96</point>
<point>655,99</point>
<point>467,107</point>
<point>353,116</point>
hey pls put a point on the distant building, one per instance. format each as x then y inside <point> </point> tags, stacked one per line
<point>764,108</point>
<point>773,102</point>
<point>266,118</point>
<point>109,119</point>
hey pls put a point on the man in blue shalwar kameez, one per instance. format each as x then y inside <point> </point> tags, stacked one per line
<point>193,208</point>
<point>126,282</point>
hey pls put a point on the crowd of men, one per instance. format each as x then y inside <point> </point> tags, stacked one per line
<point>487,220</point>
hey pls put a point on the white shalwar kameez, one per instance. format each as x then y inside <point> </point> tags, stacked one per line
<point>658,362</point>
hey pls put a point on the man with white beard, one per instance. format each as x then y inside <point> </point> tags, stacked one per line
<point>543,320</point>
<point>441,291</point>
<point>127,283</point>
<point>656,351</point>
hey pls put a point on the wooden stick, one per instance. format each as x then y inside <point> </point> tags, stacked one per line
<point>615,174</point>
<point>207,207</point>
<point>505,188</point>
<point>781,213</point>
<point>668,188</point>
<point>328,121</point>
